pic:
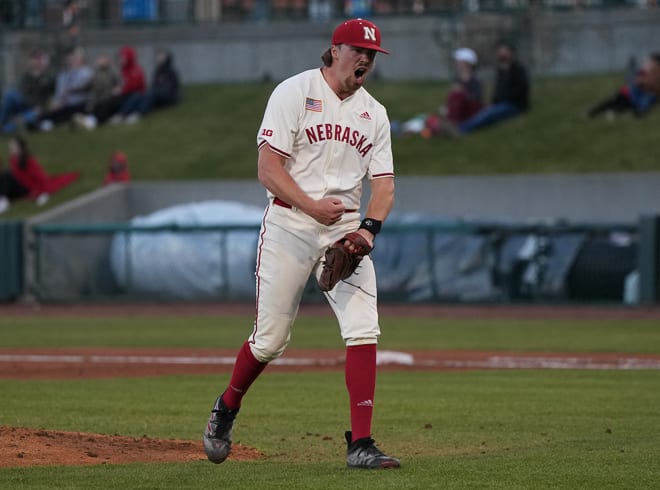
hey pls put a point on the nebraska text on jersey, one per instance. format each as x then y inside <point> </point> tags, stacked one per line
<point>337,132</point>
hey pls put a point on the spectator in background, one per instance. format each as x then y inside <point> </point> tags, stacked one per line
<point>636,96</point>
<point>117,169</point>
<point>70,14</point>
<point>511,93</point>
<point>164,91</point>
<point>652,74</point>
<point>71,89</point>
<point>10,189</point>
<point>132,82</point>
<point>27,178</point>
<point>68,36</point>
<point>104,83</point>
<point>25,103</point>
<point>465,97</point>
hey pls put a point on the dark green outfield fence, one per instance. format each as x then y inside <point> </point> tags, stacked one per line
<point>649,259</point>
<point>11,260</point>
<point>416,262</point>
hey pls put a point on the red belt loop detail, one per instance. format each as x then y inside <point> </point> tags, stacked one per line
<point>278,202</point>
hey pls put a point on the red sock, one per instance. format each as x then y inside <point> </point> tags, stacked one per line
<point>246,369</point>
<point>361,385</point>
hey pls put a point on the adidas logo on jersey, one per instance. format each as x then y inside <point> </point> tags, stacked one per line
<point>365,115</point>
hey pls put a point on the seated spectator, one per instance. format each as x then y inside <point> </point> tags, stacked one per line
<point>71,89</point>
<point>27,178</point>
<point>652,74</point>
<point>104,83</point>
<point>636,96</point>
<point>510,96</point>
<point>164,92</point>
<point>23,104</point>
<point>465,96</point>
<point>132,81</point>
<point>10,189</point>
<point>117,169</point>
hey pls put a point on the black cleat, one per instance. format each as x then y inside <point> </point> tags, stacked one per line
<point>217,436</point>
<point>363,453</point>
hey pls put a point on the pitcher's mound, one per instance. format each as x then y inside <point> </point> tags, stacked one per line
<point>31,447</point>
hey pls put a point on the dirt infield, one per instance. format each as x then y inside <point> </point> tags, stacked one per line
<point>21,447</point>
<point>39,447</point>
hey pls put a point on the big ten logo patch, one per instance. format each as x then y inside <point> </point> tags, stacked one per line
<point>266,132</point>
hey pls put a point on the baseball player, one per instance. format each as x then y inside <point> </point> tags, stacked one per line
<point>322,133</point>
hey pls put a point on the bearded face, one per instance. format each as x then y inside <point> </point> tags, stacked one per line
<point>353,65</point>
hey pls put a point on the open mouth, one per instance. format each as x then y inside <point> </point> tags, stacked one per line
<point>360,72</point>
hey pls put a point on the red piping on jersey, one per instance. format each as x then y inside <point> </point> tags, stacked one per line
<point>276,150</point>
<point>256,306</point>
<point>386,174</point>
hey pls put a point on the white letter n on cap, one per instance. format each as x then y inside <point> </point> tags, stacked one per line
<point>369,33</point>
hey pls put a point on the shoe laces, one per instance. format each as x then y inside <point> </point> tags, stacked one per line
<point>368,446</point>
<point>222,419</point>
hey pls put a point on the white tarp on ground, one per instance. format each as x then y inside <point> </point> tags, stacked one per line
<point>196,265</point>
<point>220,265</point>
<point>418,264</point>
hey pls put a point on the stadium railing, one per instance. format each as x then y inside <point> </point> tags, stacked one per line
<point>38,14</point>
<point>416,263</point>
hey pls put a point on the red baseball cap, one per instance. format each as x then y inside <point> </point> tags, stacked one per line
<point>359,33</point>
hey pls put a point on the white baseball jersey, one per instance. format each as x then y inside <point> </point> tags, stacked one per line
<point>330,144</point>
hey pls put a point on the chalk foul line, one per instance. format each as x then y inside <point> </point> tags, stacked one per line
<point>385,358</point>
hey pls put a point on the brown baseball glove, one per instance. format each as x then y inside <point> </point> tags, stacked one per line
<point>340,261</point>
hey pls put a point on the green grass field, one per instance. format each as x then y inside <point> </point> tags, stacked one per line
<point>212,135</point>
<point>466,429</point>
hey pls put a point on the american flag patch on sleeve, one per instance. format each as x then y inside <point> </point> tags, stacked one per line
<point>315,105</point>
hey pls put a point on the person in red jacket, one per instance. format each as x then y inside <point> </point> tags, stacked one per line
<point>117,169</point>
<point>132,81</point>
<point>27,178</point>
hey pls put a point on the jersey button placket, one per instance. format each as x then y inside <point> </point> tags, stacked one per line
<point>335,160</point>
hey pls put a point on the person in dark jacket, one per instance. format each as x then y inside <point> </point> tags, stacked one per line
<point>165,91</point>
<point>24,103</point>
<point>510,96</point>
<point>10,189</point>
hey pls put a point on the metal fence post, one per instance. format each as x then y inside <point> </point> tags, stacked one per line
<point>649,259</point>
